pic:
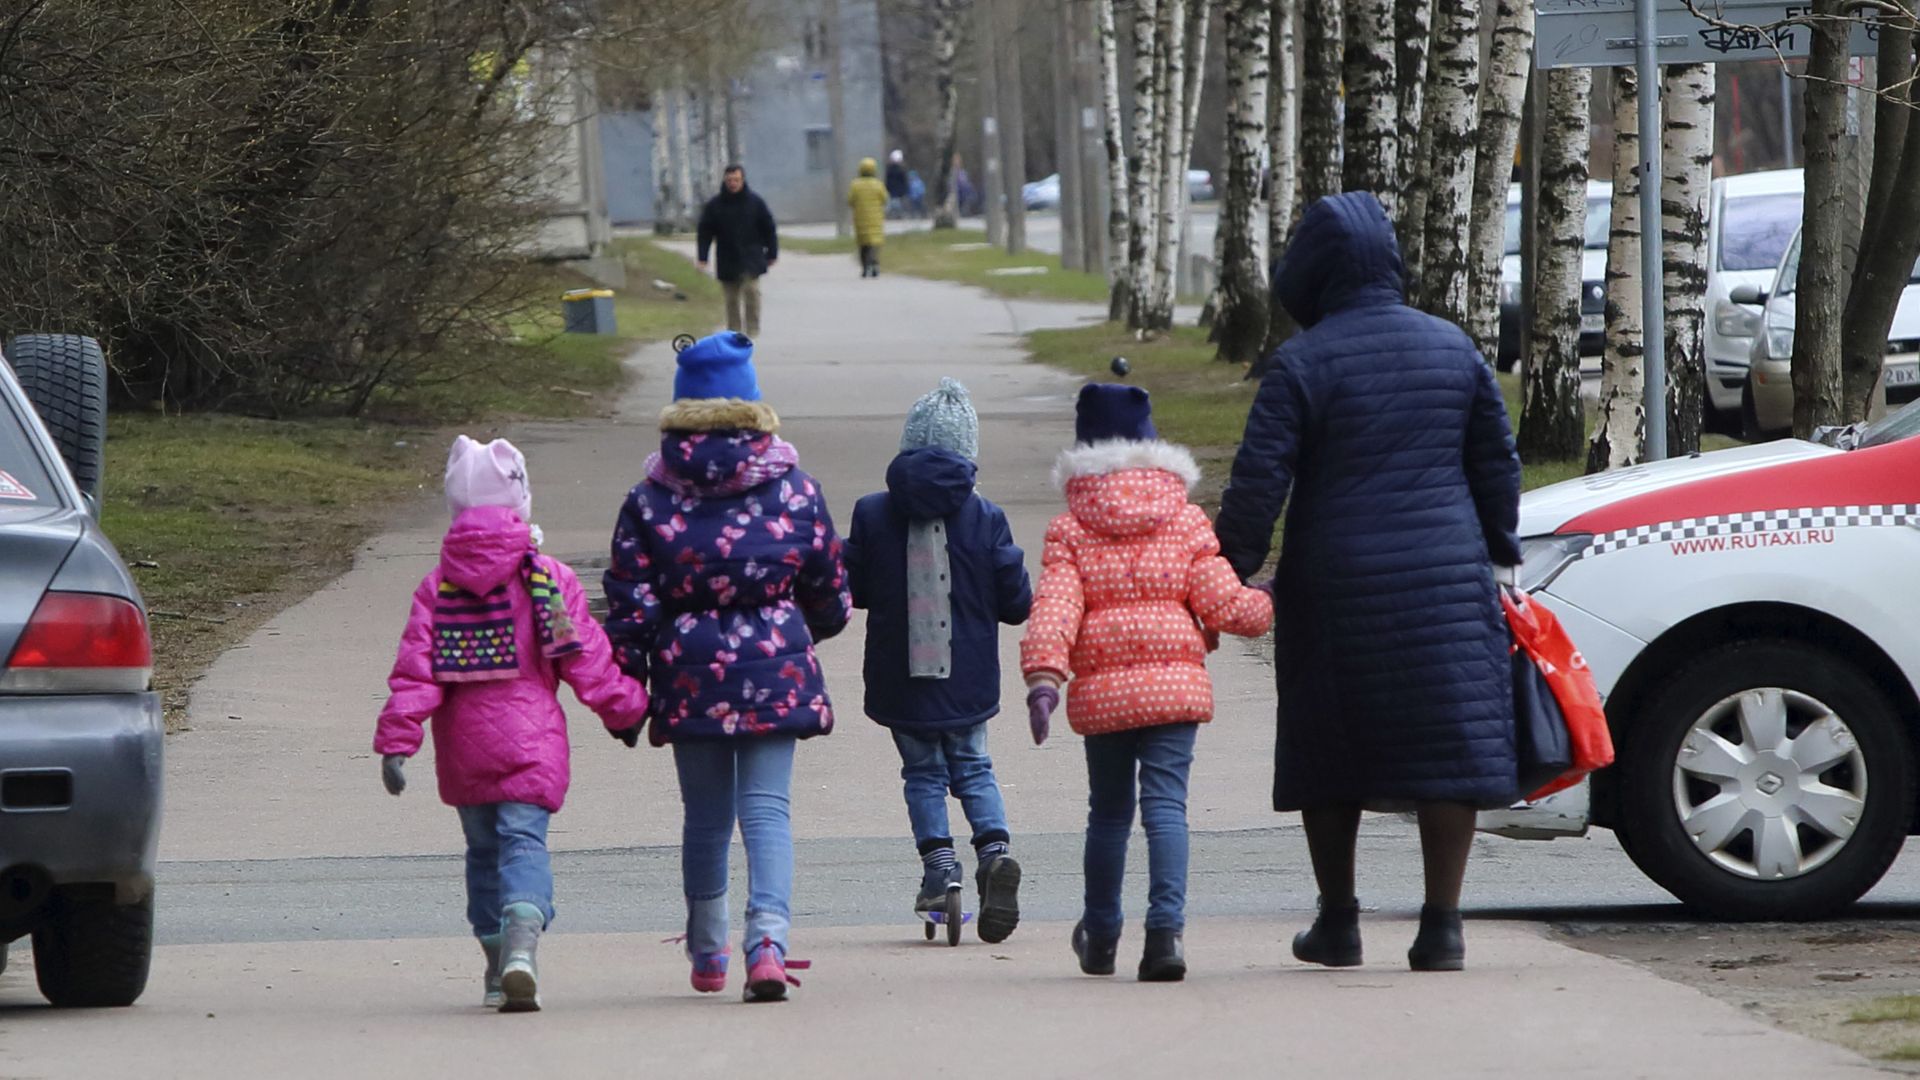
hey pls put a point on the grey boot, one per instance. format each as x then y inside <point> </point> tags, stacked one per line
<point>520,927</point>
<point>490,944</point>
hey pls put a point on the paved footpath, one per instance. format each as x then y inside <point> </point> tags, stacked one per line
<point>310,925</point>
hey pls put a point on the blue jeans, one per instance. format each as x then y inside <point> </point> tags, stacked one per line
<point>507,862</point>
<point>1162,756</point>
<point>930,765</point>
<point>723,780</point>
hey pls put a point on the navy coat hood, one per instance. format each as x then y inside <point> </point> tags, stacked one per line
<point>930,483</point>
<point>1343,255</point>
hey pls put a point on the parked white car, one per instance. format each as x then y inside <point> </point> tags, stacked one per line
<point>1750,220</point>
<point>1748,617</point>
<point>1766,406</point>
<point>1593,279</point>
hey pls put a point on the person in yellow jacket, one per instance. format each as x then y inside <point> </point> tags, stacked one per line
<point>868,198</point>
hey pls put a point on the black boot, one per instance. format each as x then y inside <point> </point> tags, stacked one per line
<point>1165,957</point>
<point>1334,938</point>
<point>1096,955</point>
<point>1440,945</point>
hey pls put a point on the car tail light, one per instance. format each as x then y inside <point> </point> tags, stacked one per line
<point>81,643</point>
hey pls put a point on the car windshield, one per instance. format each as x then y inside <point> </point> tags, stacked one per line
<point>1756,229</point>
<point>1599,215</point>
<point>23,480</point>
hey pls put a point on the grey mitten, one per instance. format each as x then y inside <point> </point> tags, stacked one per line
<point>393,773</point>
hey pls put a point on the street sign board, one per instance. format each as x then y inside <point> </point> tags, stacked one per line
<point>1600,33</point>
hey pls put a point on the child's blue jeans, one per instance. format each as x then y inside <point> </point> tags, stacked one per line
<point>1161,756</point>
<point>930,766</point>
<point>507,862</point>
<point>721,781</point>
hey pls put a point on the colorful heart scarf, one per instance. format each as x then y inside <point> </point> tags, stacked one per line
<point>473,638</point>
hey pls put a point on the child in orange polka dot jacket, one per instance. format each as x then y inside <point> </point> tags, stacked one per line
<point>1133,595</point>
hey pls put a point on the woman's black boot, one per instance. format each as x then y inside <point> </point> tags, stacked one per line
<point>1165,957</point>
<point>1334,938</point>
<point>1440,945</point>
<point>1096,955</point>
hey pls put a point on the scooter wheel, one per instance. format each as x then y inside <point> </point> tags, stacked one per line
<point>929,929</point>
<point>956,918</point>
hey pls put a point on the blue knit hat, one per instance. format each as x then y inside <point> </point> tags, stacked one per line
<point>1112,411</point>
<point>943,418</point>
<point>718,366</point>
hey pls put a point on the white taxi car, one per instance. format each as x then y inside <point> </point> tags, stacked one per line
<point>1748,615</point>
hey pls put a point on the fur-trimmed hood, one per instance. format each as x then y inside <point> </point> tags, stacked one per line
<point>1123,488</point>
<point>1113,455</point>
<point>719,414</point>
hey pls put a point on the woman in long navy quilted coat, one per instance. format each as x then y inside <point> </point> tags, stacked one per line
<point>1382,432</point>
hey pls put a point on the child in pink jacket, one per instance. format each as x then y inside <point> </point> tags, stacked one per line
<point>495,628</point>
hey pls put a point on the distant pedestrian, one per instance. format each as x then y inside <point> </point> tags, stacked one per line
<point>1381,431</point>
<point>1133,595</point>
<point>738,228</point>
<point>916,194</point>
<point>869,202</point>
<point>966,197</point>
<point>896,183</point>
<point>725,573</point>
<point>935,566</point>
<point>494,629</point>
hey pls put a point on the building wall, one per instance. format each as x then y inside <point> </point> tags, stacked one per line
<point>782,111</point>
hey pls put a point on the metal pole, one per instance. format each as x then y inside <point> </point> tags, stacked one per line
<point>1786,114</point>
<point>1652,272</point>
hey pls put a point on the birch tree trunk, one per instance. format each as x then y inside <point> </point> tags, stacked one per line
<point>683,157</point>
<point>987,82</point>
<point>1372,156</point>
<point>1413,27</point>
<point>666,214</point>
<point>946,46</point>
<point>1821,289</point>
<point>1119,220</point>
<point>1283,158</point>
<point>1143,197</point>
<point>1157,306</point>
<point>1009,25</point>
<point>1320,100</point>
<point>1502,93</point>
<point>1452,83</point>
<point>1553,417</point>
<point>1686,156</point>
<point>1199,21</point>
<point>1242,319</point>
<point>1620,434</point>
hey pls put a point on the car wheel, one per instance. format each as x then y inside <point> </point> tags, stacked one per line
<point>1750,418</point>
<point>94,953</point>
<point>1766,780</point>
<point>65,376</point>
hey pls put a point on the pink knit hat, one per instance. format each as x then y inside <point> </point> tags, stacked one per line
<point>489,474</point>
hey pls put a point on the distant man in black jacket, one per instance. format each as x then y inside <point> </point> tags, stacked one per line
<point>738,223</point>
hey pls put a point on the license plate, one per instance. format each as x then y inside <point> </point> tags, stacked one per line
<point>1904,375</point>
<point>1593,322</point>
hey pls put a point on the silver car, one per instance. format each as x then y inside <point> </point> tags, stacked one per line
<point>80,728</point>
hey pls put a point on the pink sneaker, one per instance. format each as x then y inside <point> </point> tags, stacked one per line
<point>767,978</point>
<point>710,971</point>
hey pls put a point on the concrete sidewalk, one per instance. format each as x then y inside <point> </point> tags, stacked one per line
<point>881,1003</point>
<point>274,793</point>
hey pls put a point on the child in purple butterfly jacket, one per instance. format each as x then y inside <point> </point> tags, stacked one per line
<point>495,628</point>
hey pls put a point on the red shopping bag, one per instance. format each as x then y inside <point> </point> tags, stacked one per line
<point>1539,634</point>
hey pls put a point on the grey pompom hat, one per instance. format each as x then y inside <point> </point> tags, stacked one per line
<point>944,418</point>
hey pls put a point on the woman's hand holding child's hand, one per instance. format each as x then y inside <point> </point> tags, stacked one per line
<point>1042,700</point>
<point>393,773</point>
<point>630,736</point>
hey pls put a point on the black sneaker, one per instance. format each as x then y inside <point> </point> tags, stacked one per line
<point>1165,957</point>
<point>999,881</point>
<point>1440,945</point>
<point>1096,956</point>
<point>935,886</point>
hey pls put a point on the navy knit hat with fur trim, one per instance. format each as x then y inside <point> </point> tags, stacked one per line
<point>1112,411</point>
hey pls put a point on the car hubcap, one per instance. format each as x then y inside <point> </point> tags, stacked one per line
<point>1770,784</point>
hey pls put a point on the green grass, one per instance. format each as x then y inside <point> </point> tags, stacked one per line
<point>226,520</point>
<point>961,255</point>
<point>1902,1008</point>
<point>1203,403</point>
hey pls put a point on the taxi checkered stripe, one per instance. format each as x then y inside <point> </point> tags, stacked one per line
<point>1754,521</point>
